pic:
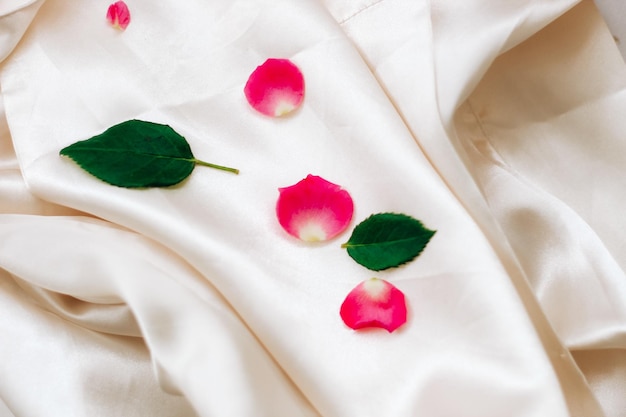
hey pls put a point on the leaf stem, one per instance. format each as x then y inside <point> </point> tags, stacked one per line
<point>210,165</point>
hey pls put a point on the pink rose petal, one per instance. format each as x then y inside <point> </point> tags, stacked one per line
<point>314,209</point>
<point>118,15</point>
<point>374,303</point>
<point>275,88</point>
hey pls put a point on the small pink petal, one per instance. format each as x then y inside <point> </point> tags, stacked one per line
<point>374,303</point>
<point>118,15</point>
<point>314,209</point>
<point>275,88</point>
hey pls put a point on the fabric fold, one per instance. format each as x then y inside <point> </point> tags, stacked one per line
<point>195,340</point>
<point>546,151</point>
<point>196,288</point>
<point>15,17</point>
<point>72,369</point>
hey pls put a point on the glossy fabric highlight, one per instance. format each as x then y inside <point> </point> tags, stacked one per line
<point>192,301</point>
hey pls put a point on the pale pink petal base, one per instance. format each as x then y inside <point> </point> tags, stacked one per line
<point>314,209</point>
<point>275,88</point>
<point>118,15</point>
<point>374,303</point>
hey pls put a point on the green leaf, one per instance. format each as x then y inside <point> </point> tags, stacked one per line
<point>136,154</point>
<point>387,240</point>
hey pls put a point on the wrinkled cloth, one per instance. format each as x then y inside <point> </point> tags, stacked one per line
<point>498,124</point>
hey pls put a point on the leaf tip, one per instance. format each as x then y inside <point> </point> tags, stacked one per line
<point>65,151</point>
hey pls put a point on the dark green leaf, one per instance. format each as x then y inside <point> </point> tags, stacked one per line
<point>136,154</point>
<point>387,240</point>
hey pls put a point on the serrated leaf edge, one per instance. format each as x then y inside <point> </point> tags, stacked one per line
<point>348,246</point>
<point>392,266</point>
<point>66,150</point>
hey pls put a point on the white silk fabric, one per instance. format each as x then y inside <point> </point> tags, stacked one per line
<point>497,123</point>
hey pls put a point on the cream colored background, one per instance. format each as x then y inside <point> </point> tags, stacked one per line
<point>497,123</point>
<point>614,13</point>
